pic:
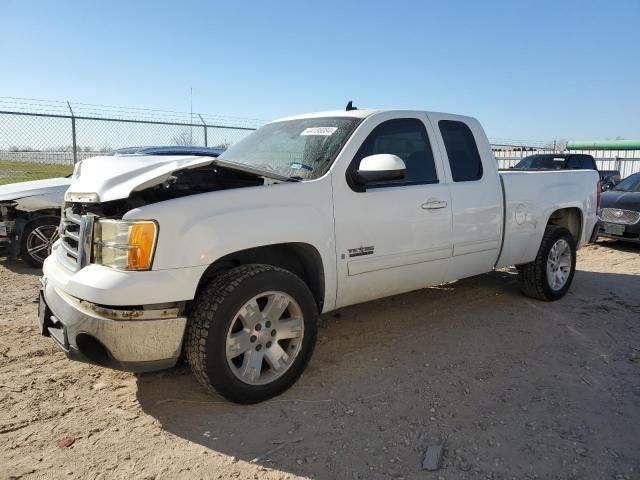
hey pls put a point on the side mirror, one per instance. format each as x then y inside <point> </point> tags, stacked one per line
<point>380,168</point>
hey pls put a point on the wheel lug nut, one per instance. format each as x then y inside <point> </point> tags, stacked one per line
<point>258,327</point>
<point>267,324</point>
<point>258,347</point>
<point>268,344</point>
<point>273,333</point>
<point>253,338</point>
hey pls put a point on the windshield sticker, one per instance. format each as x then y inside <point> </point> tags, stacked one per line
<point>322,131</point>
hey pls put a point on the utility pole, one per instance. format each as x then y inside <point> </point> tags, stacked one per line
<point>191,115</point>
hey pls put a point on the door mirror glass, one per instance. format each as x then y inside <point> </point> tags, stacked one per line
<point>380,168</point>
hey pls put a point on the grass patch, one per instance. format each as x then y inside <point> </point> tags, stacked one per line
<point>12,172</point>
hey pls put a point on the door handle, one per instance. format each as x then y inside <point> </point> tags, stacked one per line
<point>434,205</point>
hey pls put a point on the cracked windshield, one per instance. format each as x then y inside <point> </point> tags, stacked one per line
<point>302,149</point>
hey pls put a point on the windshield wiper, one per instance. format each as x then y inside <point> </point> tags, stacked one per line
<point>300,166</point>
<point>260,171</point>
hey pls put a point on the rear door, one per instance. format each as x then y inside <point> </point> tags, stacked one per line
<point>394,236</point>
<point>476,194</point>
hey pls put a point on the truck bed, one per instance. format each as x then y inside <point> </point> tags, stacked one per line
<point>530,197</point>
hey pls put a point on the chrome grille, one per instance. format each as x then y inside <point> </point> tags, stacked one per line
<point>70,236</point>
<point>617,215</point>
<point>75,238</point>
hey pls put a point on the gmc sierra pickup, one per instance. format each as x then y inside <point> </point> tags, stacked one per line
<point>230,260</point>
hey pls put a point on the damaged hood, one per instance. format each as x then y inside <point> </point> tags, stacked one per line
<point>50,186</point>
<point>114,177</point>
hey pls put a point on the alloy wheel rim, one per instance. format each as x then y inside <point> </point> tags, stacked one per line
<point>559,264</point>
<point>41,240</point>
<point>265,338</point>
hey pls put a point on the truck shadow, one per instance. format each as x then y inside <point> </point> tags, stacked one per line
<point>18,266</point>
<point>390,377</point>
<point>619,245</point>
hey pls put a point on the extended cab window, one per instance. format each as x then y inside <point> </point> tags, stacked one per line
<point>462,151</point>
<point>574,163</point>
<point>584,162</point>
<point>406,138</point>
<point>589,164</point>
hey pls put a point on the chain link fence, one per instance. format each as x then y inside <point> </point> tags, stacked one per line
<point>39,139</point>
<point>42,139</point>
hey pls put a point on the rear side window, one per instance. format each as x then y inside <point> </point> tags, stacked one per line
<point>464,158</point>
<point>587,162</point>
<point>407,138</point>
<point>581,162</point>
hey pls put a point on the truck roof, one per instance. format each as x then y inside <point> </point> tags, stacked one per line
<point>332,113</point>
<point>365,112</point>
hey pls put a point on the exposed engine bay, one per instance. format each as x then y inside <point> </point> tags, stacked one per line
<point>181,183</point>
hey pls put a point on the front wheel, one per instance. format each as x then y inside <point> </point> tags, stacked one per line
<point>550,275</point>
<point>251,332</point>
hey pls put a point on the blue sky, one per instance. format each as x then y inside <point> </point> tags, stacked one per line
<point>528,70</point>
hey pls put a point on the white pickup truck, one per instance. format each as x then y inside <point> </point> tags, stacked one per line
<point>230,260</point>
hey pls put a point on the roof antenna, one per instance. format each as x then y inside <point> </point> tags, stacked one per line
<point>350,106</point>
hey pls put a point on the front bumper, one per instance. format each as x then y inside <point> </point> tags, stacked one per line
<point>135,340</point>
<point>624,232</point>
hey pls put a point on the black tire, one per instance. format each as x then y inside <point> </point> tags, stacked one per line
<point>214,310</point>
<point>533,276</point>
<point>46,222</point>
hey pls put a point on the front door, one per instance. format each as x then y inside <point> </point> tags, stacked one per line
<point>394,236</point>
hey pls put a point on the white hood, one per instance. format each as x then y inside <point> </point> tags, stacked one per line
<point>15,191</point>
<point>116,176</point>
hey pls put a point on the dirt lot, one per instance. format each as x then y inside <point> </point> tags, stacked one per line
<point>513,388</point>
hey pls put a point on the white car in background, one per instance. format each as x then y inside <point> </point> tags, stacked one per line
<point>29,218</point>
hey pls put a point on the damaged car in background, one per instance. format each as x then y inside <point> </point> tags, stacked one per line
<point>29,218</point>
<point>30,211</point>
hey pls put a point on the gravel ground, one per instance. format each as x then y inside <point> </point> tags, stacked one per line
<point>512,387</point>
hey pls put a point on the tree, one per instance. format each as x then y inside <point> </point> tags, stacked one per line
<point>183,139</point>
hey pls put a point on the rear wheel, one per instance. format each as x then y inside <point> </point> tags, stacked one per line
<point>37,239</point>
<point>550,275</point>
<point>251,333</point>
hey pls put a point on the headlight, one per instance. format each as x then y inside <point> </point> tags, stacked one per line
<point>125,245</point>
<point>81,197</point>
